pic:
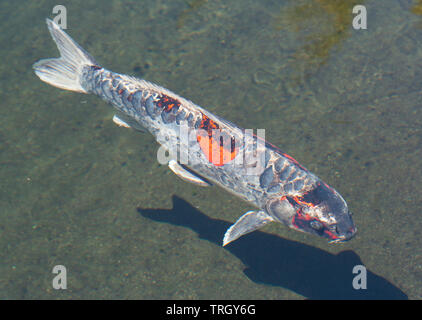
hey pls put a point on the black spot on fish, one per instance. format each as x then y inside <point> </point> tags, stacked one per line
<point>317,195</point>
<point>266,177</point>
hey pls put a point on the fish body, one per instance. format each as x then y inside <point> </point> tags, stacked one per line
<point>205,148</point>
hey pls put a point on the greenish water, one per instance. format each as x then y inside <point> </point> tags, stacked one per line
<point>78,191</point>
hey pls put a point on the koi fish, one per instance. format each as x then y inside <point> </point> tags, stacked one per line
<point>279,187</point>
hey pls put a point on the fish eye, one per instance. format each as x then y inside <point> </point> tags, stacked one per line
<point>316,225</point>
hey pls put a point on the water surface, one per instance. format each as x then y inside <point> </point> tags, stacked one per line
<point>78,191</point>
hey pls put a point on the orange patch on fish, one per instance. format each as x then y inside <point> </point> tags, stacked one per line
<point>218,147</point>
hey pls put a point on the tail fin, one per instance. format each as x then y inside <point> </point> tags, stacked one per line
<point>64,72</point>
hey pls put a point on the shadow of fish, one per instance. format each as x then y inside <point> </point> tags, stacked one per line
<point>269,259</point>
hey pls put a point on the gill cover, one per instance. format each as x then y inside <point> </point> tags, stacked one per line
<point>321,211</point>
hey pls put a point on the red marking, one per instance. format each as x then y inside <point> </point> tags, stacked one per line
<point>330,235</point>
<point>300,217</point>
<point>120,91</point>
<point>167,103</point>
<point>216,145</point>
<point>331,189</point>
<point>300,201</point>
<point>129,98</point>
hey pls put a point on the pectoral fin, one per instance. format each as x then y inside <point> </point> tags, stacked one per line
<point>184,174</point>
<point>124,121</point>
<point>249,222</point>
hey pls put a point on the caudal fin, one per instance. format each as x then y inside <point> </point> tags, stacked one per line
<point>64,72</point>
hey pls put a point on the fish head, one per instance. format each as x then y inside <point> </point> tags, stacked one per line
<point>321,211</point>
